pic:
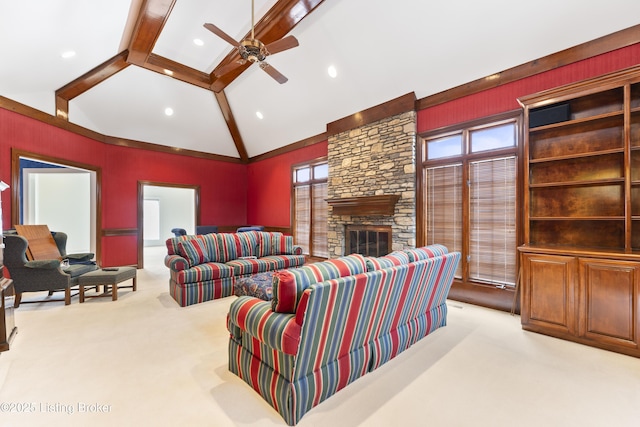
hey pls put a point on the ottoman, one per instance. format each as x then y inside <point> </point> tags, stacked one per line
<point>111,276</point>
<point>258,285</point>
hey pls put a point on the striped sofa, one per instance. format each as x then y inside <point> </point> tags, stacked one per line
<point>332,322</point>
<point>205,267</point>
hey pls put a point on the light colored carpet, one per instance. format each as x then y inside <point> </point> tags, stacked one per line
<point>145,361</point>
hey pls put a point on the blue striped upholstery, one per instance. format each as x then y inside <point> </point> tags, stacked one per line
<point>347,326</point>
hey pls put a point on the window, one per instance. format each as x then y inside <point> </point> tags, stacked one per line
<point>470,198</point>
<point>311,208</point>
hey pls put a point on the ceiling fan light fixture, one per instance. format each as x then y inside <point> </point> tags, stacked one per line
<point>252,50</point>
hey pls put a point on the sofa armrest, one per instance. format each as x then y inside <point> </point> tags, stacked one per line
<point>254,316</point>
<point>176,262</point>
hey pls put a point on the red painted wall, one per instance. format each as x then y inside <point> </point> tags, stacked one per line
<point>223,185</point>
<point>269,183</point>
<point>504,98</point>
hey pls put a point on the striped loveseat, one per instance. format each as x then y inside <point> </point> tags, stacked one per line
<point>206,267</point>
<point>332,322</point>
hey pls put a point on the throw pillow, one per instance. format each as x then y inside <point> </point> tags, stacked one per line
<point>426,252</point>
<point>248,243</point>
<point>288,286</point>
<point>281,244</point>
<point>194,251</point>
<point>229,246</point>
<point>386,261</point>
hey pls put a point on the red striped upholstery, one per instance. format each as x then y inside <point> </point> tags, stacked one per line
<point>343,328</point>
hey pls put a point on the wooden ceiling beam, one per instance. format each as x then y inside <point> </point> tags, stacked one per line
<point>151,18</point>
<point>178,71</point>
<point>88,80</point>
<point>223,102</point>
<point>277,23</point>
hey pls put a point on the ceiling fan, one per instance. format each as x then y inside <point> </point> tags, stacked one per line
<point>253,50</point>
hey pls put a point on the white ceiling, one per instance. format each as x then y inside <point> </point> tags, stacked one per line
<point>381,49</point>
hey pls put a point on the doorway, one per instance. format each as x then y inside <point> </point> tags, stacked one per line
<point>162,207</point>
<point>42,190</point>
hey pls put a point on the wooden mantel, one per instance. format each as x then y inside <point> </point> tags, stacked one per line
<point>368,205</point>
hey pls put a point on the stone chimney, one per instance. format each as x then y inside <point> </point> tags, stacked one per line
<point>373,160</point>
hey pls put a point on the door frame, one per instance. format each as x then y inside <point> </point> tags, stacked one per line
<point>141,185</point>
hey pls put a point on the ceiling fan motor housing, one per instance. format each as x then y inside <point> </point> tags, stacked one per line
<point>253,50</point>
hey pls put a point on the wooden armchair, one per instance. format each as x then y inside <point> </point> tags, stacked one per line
<point>44,275</point>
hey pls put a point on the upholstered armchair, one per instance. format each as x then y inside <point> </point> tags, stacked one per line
<point>44,275</point>
<point>250,228</point>
<point>179,232</point>
<point>206,229</point>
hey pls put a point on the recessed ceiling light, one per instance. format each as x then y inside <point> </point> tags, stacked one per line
<point>259,115</point>
<point>68,54</point>
<point>168,72</point>
<point>168,111</point>
<point>198,42</point>
<point>332,71</point>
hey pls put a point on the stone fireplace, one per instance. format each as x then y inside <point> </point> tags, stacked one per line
<point>372,183</point>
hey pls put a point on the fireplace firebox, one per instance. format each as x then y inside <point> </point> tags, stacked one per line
<point>368,240</point>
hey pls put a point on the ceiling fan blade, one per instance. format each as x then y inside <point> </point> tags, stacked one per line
<point>282,44</point>
<point>228,68</point>
<point>277,75</point>
<point>224,36</point>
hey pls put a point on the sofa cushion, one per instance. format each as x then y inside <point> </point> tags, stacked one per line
<point>285,261</point>
<point>426,252</point>
<point>386,261</point>
<point>204,272</point>
<point>244,266</point>
<point>194,251</point>
<point>288,285</point>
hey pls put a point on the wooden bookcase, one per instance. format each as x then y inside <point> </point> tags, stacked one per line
<point>581,258</point>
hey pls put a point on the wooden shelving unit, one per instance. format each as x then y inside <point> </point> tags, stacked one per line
<point>581,257</point>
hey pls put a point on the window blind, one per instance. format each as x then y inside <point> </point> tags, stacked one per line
<point>492,240</point>
<point>444,207</point>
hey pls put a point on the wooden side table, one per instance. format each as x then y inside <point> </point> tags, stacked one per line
<point>8,329</point>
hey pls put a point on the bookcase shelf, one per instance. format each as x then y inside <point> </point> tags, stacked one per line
<point>580,264</point>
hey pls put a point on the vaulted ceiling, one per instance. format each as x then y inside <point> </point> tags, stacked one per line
<point>133,59</point>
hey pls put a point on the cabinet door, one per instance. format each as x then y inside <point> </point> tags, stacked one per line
<point>609,298</point>
<point>548,293</point>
